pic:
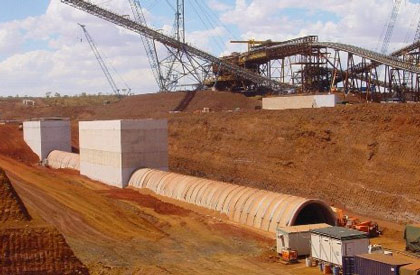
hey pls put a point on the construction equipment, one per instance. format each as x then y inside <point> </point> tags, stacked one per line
<point>100,60</point>
<point>369,227</point>
<point>303,64</point>
<point>177,45</point>
<point>149,44</point>
<point>289,256</point>
<point>389,30</point>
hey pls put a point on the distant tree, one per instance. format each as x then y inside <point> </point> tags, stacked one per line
<point>57,94</point>
<point>83,94</point>
<point>48,94</point>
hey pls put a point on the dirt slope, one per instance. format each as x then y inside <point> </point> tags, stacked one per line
<point>139,106</point>
<point>365,158</point>
<point>11,207</point>
<point>30,247</point>
<point>13,145</point>
<point>124,232</point>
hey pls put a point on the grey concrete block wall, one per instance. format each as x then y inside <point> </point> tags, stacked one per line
<point>110,151</point>
<point>299,102</point>
<point>45,136</point>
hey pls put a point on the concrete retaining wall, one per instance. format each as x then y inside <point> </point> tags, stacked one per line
<point>47,135</point>
<point>299,102</point>
<point>110,151</point>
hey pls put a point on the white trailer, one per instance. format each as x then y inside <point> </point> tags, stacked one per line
<point>332,244</point>
<point>297,238</point>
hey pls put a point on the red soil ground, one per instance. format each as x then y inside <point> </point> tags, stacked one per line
<point>13,145</point>
<point>37,251</point>
<point>11,207</point>
<point>30,247</point>
<point>364,158</point>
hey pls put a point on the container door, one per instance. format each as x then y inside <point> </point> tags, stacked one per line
<point>336,252</point>
<point>325,249</point>
<point>315,246</point>
<point>349,249</point>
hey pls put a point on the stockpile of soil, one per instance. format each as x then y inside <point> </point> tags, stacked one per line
<point>37,250</point>
<point>11,207</point>
<point>30,248</point>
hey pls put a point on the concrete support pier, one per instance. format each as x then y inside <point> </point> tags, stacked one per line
<point>44,136</point>
<point>110,151</point>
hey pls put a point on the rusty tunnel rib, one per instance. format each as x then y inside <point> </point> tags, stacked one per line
<point>249,206</point>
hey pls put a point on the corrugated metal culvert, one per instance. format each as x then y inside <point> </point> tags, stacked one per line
<point>253,207</point>
<point>63,160</point>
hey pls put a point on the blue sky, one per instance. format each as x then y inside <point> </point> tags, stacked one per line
<point>20,9</point>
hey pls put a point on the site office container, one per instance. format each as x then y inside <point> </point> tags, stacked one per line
<point>333,243</point>
<point>297,238</point>
<point>379,264</point>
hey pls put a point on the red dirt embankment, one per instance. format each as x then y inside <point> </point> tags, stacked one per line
<point>139,106</point>
<point>13,145</point>
<point>30,248</point>
<point>11,207</point>
<point>37,251</point>
<point>365,158</point>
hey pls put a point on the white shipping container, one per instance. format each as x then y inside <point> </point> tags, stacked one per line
<point>333,243</point>
<point>297,238</point>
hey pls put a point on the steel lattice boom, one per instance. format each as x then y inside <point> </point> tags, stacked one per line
<point>173,43</point>
<point>391,25</point>
<point>417,35</point>
<point>149,44</point>
<point>100,60</point>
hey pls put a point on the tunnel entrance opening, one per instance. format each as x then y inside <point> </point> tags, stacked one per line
<point>314,213</point>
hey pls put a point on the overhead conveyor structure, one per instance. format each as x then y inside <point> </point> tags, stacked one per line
<point>315,66</point>
<point>299,65</point>
<point>248,206</point>
<point>174,43</point>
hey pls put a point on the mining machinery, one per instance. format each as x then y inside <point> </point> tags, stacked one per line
<point>101,62</point>
<point>298,65</point>
<point>195,56</point>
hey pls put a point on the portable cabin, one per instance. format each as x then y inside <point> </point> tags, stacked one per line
<point>331,244</point>
<point>379,264</point>
<point>297,238</point>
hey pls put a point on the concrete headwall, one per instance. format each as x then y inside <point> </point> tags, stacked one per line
<point>299,102</point>
<point>47,135</point>
<point>110,151</point>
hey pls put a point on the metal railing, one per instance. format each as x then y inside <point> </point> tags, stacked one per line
<point>391,61</point>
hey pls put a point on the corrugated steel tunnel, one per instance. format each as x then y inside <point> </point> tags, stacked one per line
<point>63,160</point>
<point>253,207</point>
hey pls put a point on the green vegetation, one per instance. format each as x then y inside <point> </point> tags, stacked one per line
<point>81,100</point>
